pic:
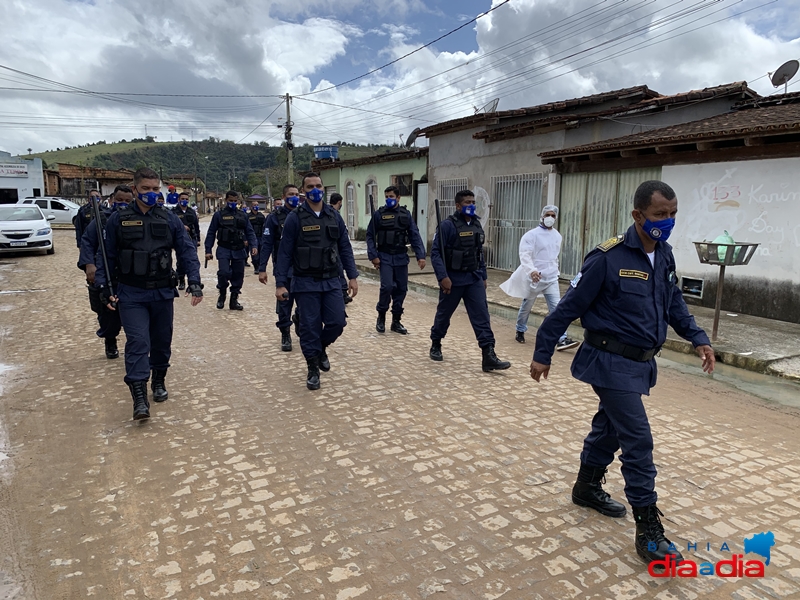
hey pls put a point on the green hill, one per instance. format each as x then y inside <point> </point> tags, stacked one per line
<point>221,164</point>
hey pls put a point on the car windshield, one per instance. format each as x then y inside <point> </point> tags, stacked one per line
<point>19,212</point>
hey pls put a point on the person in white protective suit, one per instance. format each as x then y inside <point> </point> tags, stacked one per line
<point>537,274</point>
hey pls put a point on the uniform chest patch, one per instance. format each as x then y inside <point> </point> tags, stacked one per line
<point>634,274</point>
<point>311,228</point>
<point>388,217</point>
<point>231,218</point>
<point>466,233</point>
<point>131,223</point>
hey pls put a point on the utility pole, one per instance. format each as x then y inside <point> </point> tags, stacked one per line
<point>195,178</point>
<point>288,136</point>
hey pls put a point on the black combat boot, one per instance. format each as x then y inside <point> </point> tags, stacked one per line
<point>111,348</point>
<point>651,543</point>
<point>182,283</point>
<point>322,360</point>
<point>141,407</point>
<point>436,350</point>
<point>286,340</point>
<point>491,362</point>
<point>588,491</point>
<point>160,393</point>
<point>380,324</point>
<point>312,381</point>
<point>397,326</point>
<point>520,337</point>
<point>221,300</point>
<point>234,303</point>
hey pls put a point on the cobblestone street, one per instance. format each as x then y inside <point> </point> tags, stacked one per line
<point>400,479</point>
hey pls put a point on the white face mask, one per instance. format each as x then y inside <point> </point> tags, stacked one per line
<point>549,221</point>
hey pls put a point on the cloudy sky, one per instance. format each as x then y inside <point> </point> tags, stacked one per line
<point>524,52</point>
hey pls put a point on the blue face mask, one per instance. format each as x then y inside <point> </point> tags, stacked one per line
<point>659,230</point>
<point>254,208</point>
<point>391,202</point>
<point>233,205</point>
<point>150,198</point>
<point>184,203</point>
<point>293,201</point>
<point>468,210</point>
<point>121,205</point>
<point>315,195</point>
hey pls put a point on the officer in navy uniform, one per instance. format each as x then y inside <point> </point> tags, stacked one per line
<point>139,244</point>
<point>189,220</point>
<point>108,320</point>
<point>457,258</point>
<point>232,229</point>
<point>626,295</point>
<point>84,216</point>
<point>257,221</point>
<point>314,238</point>
<point>270,244</point>
<point>388,232</point>
<point>336,201</point>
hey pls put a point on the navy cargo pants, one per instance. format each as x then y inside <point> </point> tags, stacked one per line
<point>621,422</point>
<point>394,287</point>
<point>474,296</point>
<point>321,319</point>
<point>148,336</point>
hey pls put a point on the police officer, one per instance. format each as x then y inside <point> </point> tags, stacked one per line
<point>84,216</point>
<point>257,221</point>
<point>139,244</point>
<point>336,202</point>
<point>188,219</point>
<point>232,229</point>
<point>108,320</point>
<point>270,245</point>
<point>388,232</point>
<point>626,295</point>
<point>457,258</point>
<point>314,238</point>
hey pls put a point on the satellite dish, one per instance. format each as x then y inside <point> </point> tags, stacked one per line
<point>784,74</point>
<point>488,108</point>
<point>412,137</point>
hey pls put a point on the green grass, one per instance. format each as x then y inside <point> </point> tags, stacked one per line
<point>77,156</point>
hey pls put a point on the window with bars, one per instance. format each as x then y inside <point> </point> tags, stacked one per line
<point>350,198</point>
<point>448,188</point>
<point>403,183</point>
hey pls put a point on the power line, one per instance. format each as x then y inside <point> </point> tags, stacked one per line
<point>396,60</point>
<point>18,89</point>
<point>260,124</point>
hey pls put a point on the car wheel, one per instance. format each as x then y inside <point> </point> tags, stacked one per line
<point>52,249</point>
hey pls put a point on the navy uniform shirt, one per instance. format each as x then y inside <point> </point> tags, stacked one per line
<point>224,253</point>
<point>185,250</point>
<point>82,219</point>
<point>90,246</point>
<point>396,260</point>
<point>291,231</point>
<point>448,232</point>
<point>619,293</point>
<point>190,220</point>
<point>269,241</point>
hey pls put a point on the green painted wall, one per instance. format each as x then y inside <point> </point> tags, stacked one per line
<point>359,176</point>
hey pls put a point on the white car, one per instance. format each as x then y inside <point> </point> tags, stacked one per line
<point>24,228</point>
<point>62,209</point>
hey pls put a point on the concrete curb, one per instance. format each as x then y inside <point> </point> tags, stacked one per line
<point>675,344</point>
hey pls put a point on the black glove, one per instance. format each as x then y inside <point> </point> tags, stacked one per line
<point>195,289</point>
<point>105,295</point>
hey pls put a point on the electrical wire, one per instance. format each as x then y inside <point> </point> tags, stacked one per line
<point>260,124</point>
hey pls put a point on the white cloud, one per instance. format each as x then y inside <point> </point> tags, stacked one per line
<point>252,47</point>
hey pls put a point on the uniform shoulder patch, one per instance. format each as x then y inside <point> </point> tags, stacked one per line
<point>610,243</point>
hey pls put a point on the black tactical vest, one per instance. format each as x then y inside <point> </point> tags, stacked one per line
<point>465,253</point>
<point>232,228</point>
<point>391,229</point>
<point>317,251</point>
<point>144,249</point>
<point>86,214</point>
<point>280,215</point>
<point>257,222</point>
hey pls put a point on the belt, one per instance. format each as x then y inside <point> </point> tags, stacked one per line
<point>609,343</point>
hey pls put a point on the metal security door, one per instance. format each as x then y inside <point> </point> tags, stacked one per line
<point>570,222</point>
<point>516,206</point>
<point>601,209</point>
<point>448,188</point>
